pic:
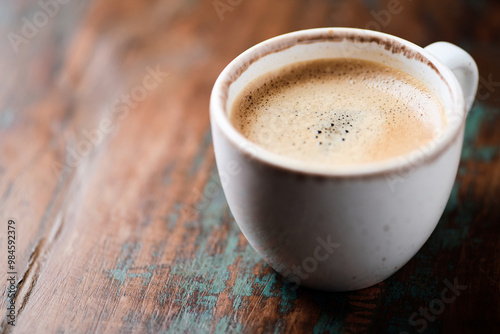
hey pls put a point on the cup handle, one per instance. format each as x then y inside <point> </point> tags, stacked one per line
<point>461,64</point>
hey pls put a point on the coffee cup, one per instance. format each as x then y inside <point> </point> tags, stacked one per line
<point>350,226</point>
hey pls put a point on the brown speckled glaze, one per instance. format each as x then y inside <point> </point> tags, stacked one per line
<point>389,44</point>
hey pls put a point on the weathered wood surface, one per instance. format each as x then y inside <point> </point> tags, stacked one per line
<point>122,226</point>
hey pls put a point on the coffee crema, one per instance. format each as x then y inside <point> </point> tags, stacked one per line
<point>338,112</point>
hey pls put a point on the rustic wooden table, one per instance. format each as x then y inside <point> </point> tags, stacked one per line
<point>107,174</point>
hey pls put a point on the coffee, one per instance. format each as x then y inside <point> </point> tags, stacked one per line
<point>337,112</point>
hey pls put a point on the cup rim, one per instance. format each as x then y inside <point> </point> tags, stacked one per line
<point>220,92</point>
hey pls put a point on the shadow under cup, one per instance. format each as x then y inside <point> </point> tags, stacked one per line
<point>346,227</point>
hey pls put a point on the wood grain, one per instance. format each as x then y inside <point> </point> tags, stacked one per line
<point>107,167</point>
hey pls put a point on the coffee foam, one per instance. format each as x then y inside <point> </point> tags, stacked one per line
<point>338,112</point>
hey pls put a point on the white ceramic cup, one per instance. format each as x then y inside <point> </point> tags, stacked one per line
<point>346,227</point>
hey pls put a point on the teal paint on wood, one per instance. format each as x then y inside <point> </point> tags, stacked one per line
<point>266,284</point>
<point>173,217</point>
<point>125,269</point>
<point>237,303</point>
<point>166,177</point>
<point>197,322</point>
<point>217,205</point>
<point>145,275</point>
<point>242,287</point>
<point>125,262</point>
<point>209,301</point>
<point>157,250</point>
<point>200,155</point>
<point>226,326</point>
<point>478,115</point>
<point>395,292</point>
<point>328,325</point>
<point>452,204</point>
<point>458,217</point>
<point>206,274</point>
<point>288,296</point>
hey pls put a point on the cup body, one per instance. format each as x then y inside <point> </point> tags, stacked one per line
<point>342,228</point>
